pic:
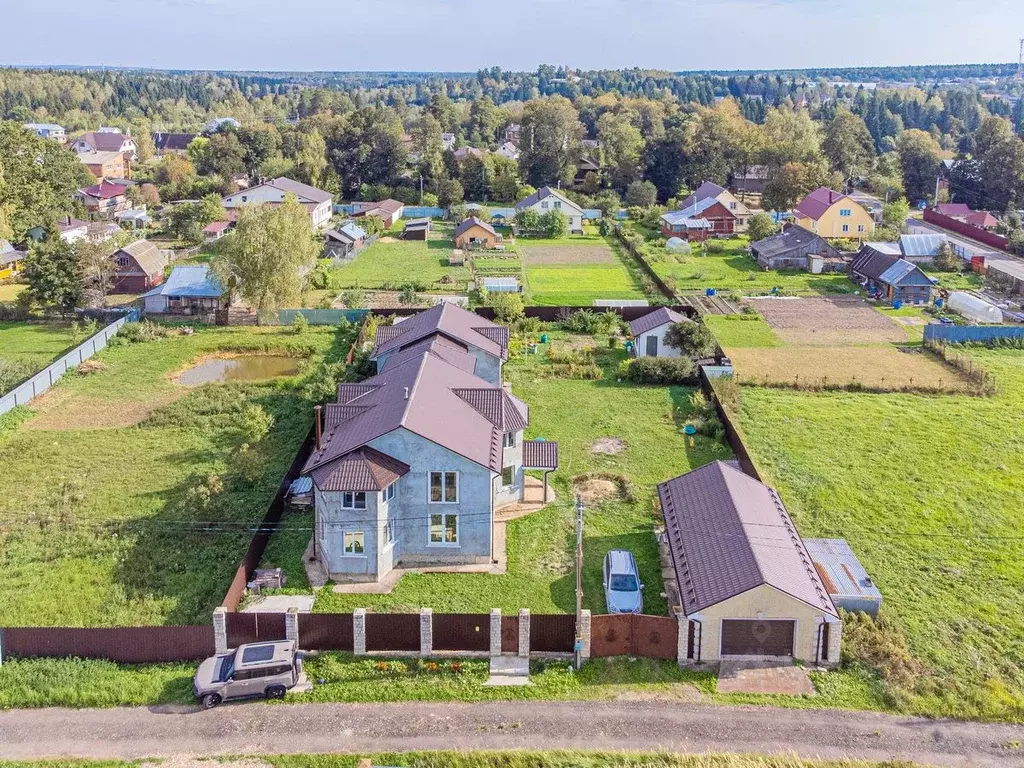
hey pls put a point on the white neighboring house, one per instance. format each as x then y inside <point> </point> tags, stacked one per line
<point>72,230</point>
<point>214,125</point>
<point>448,140</point>
<point>547,199</point>
<point>648,333</point>
<point>48,131</point>
<point>320,204</point>
<point>106,140</point>
<point>509,150</point>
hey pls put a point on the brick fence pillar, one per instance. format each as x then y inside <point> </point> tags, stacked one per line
<point>426,631</point>
<point>496,632</point>
<point>585,634</point>
<point>291,625</point>
<point>220,629</point>
<point>682,638</point>
<point>524,632</point>
<point>359,631</point>
<point>835,639</point>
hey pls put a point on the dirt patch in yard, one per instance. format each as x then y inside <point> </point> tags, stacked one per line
<point>180,761</point>
<point>828,321</point>
<point>597,487</point>
<point>61,409</point>
<point>387,240</point>
<point>566,254</point>
<point>608,446</point>
<point>882,366</point>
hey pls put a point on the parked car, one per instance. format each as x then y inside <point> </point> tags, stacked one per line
<point>623,591</point>
<point>254,669</point>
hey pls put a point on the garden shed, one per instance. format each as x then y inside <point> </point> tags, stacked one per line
<point>845,579</point>
<point>648,333</point>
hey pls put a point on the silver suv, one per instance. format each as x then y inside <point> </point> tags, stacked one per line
<point>255,669</point>
<point>623,591</point>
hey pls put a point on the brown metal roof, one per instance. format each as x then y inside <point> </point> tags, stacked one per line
<point>540,454</point>
<point>655,319</point>
<point>149,258</point>
<point>728,534</point>
<point>497,406</point>
<point>418,394</point>
<point>446,349</point>
<point>471,222</point>
<point>446,319</point>
<point>364,469</point>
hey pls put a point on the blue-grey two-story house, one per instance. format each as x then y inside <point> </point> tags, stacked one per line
<point>413,462</point>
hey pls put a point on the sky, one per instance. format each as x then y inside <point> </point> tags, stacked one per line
<point>467,35</point>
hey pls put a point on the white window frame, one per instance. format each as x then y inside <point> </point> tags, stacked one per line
<point>353,494</point>
<point>846,227</point>
<point>443,473</point>
<point>558,203</point>
<point>389,493</point>
<point>544,205</point>
<point>388,533</point>
<point>345,543</point>
<point>512,481</point>
<point>508,440</point>
<point>860,227</point>
<point>444,527</point>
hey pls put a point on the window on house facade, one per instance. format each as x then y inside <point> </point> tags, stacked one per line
<point>509,440</point>
<point>845,212</point>
<point>860,227</point>
<point>558,203</point>
<point>355,543</point>
<point>353,500</point>
<point>444,528</point>
<point>846,227</point>
<point>544,205</point>
<point>388,493</point>
<point>444,488</point>
<point>508,476</point>
<point>388,532</point>
<point>732,206</point>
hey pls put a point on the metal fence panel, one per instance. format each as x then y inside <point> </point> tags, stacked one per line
<point>461,631</point>
<point>392,632</point>
<point>321,316</point>
<point>655,637</point>
<point>326,631</point>
<point>957,334</point>
<point>126,645</point>
<point>611,635</point>
<point>509,634</point>
<point>552,633</point>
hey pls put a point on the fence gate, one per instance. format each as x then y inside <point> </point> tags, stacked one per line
<point>627,634</point>
<point>254,627</point>
<point>552,633</point>
<point>510,634</point>
<point>326,631</point>
<point>392,632</point>
<point>461,631</point>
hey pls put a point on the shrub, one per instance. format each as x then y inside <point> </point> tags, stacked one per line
<point>946,260</point>
<point>588,321</point>
<point>690,338</point>
<point>255,423</point>
<point>661,370</point>
<point>136,333</point>
<point>641,193</point>
<point>354,298</point>
<point>582,371</point>
<point>715,246</point>
<point>508,307</point>
<point>299,323</point>
<point>761,226</point>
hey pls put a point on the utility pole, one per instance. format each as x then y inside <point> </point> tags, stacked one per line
<point>578,646</point>
<point>1020,61</point>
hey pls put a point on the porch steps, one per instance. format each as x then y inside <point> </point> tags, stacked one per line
<point>509,671</point>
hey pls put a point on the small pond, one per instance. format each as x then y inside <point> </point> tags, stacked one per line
<point>242,368</point>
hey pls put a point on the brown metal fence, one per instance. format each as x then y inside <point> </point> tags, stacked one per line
<point>326,631</point>
<point>509,634</point>
<point>652,637</point>
<point>254,627</point>
<point>126,645</point>
<point>392,632</point>
<point>552,633</point>
<point>461,632</point>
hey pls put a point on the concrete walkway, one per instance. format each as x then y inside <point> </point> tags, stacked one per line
<point>253,729</point>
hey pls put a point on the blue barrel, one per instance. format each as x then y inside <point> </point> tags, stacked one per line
<point>543,338</point>
<point>710,292</point>
<point>939,303</point>
<point>897,304</point>
<point>689,429</point>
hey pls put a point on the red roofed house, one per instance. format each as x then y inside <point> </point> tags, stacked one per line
<point>828,213</point>
<point>138,267</point>
<point>982,220</point>
<point>389,211</point>
<point>413,462</point>
<point>954,210</point>
<point>215,230</point>
<point>103,200</point>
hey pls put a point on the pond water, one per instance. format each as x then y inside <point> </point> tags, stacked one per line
<point>244,368</point>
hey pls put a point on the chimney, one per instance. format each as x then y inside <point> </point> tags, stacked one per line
<point>318,426</point>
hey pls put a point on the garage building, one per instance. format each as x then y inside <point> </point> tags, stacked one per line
<point>746,582</point>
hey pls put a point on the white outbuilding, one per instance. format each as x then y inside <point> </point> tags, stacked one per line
<point>974,308</point>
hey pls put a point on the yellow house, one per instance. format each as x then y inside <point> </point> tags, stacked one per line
<point>832,214</point>
<point>10,260</point>
<point>747,586</point>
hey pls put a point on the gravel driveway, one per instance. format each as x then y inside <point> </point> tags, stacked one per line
<point>252,729</point>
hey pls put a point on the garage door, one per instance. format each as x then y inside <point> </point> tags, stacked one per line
<point>757,638</point>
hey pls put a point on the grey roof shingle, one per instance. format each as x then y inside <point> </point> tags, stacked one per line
<point>793,238</point>
<point>728,534</point>
<point>149,258</point>
<point>471,222</point>
<point>300,190</point>
<point>650,321</point>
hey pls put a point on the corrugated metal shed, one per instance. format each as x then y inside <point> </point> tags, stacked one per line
<point>847,582</point>
<point>921,245</point>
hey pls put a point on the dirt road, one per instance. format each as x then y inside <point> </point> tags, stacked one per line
<point>254,729</point>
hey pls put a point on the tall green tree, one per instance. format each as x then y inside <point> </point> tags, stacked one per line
<point>366,147</point>
<point>622,147</point>
<point>39,177</point>
<point>268,255</point>
<point>223,155</point>
<point>550,141</point>
<point>52,273</point>
<point>920,158</point>
<point>259,142</point>
<point>427,140</point>
<point>848,145</point>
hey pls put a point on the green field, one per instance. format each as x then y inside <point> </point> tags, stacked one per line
<point>742,331</point>
<point>106,475</point>
<point>390,265</point>
<point>540,546</point>
<point>927,491</point>
<point>26,348</point>
<point>575,283</point>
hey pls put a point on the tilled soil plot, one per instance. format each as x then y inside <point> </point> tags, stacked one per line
<point>830,321</point>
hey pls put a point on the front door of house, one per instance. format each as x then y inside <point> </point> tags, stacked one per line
<point>652,346</point>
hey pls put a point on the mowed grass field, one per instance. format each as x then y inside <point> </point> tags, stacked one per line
<point>927,491</point>
<point>541,545</point>
<point>574,271</point>
<point>110,480</point>
<point>35,343</point>
<point>391,263</point>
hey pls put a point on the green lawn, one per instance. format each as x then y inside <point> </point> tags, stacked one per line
<point>742,331</point>
<point>927,491</point>
<point>35,343</point>
<point>577,284</point>
<point>393,264</point>
<point>106,475</point>
<point>540,546</point>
